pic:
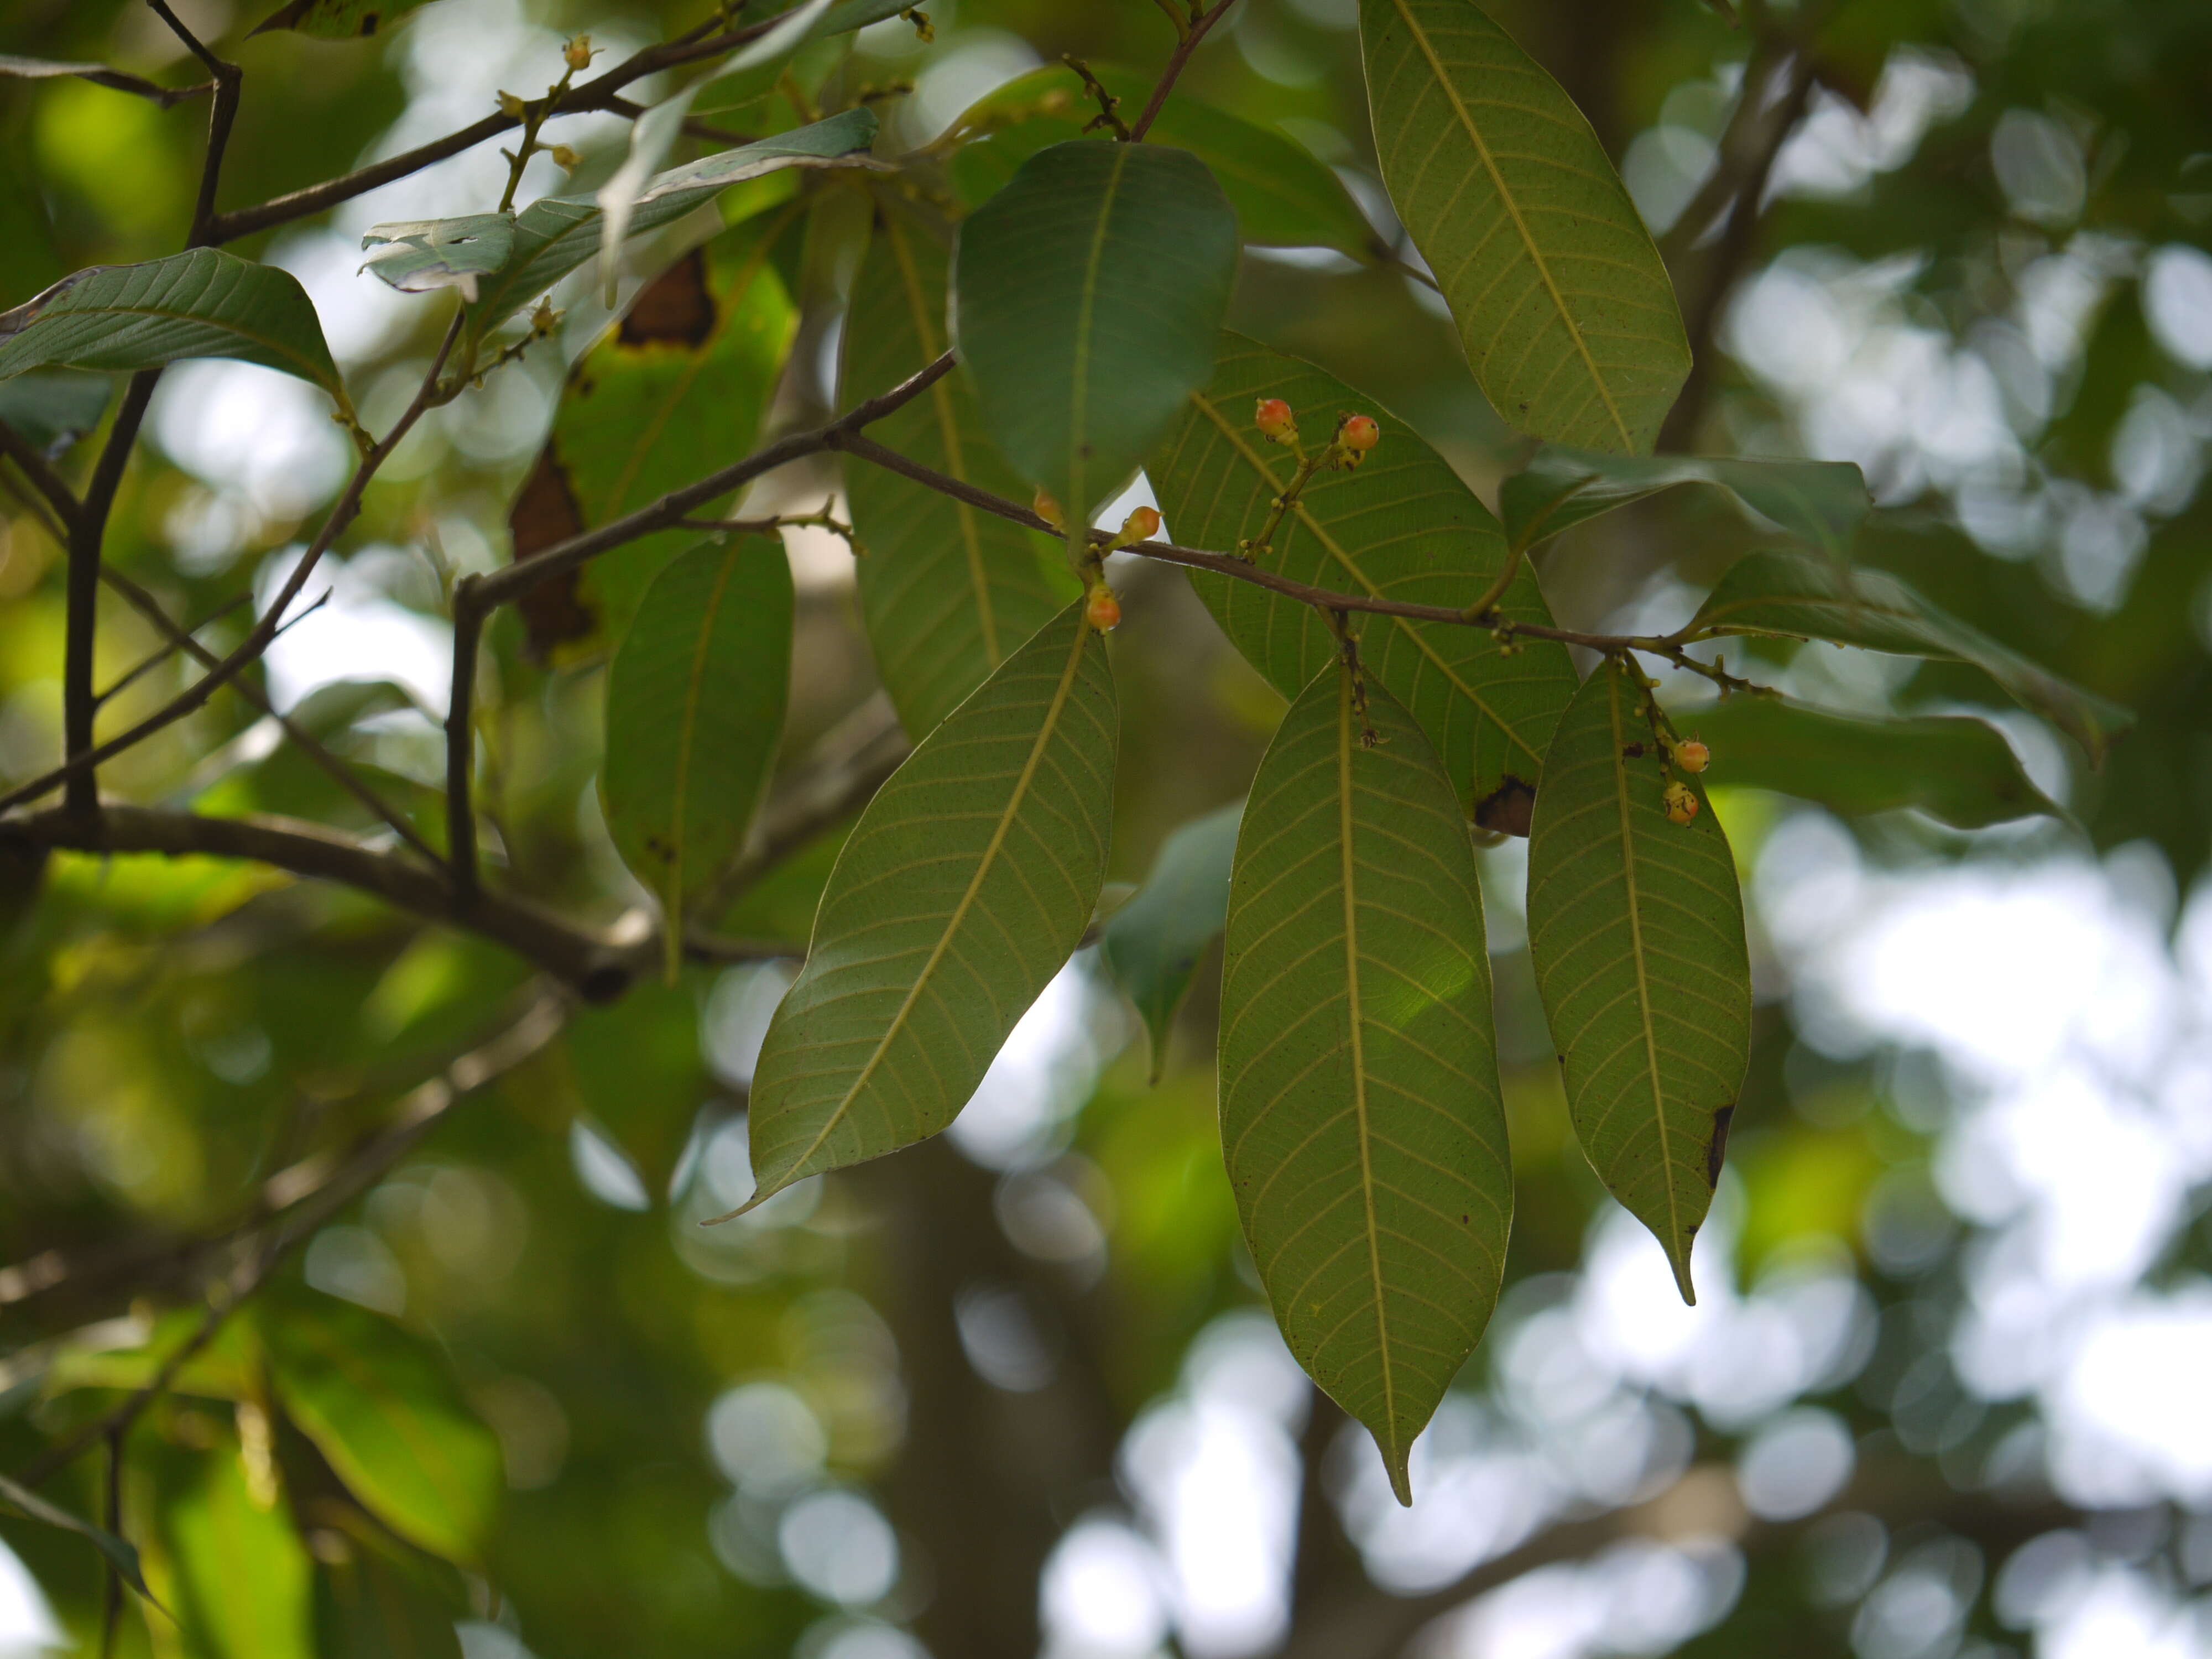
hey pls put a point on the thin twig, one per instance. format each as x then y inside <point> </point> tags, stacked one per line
<point>174,637</point>
<point>1184,48</point>
<point>43,478</point>
<point>221,118</point>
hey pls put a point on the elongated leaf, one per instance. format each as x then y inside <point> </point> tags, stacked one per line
<point>1360,1111</point>
<point>849,15</point>
<point>695,715</point>
<point>1284,195</point>
<point>1402,527</point>
<point>555,234</point>
<point>416,256</point>
<point>947,592</point>
<point>338,19</point>
<point>1087,296</point>
<point>205,303</point>
<point>119,1552</point>
<point>1636,933</point>
<point>222,1554</point>
<point>673,391</point>
<point>1957,770</point>
<point>1567,314</point>
<point>1153,944</point>
<point>383,1411</point>
<point>1822,503</point>
<point>1787,594</point>
<point>54,409</point>
<point>963,890</point>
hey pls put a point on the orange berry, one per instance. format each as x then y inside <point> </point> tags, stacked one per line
<point>1693,757</point>
<point>1101,610</point>
<point>1360,434</point>
<point>1047,508</point>
<point>1141,525</point>
<point>1681,804</point>
<point>1275,421</point>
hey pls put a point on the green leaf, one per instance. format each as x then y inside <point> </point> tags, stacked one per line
<point>1360,1112</point>
<point>1565,311</point>
<point>850,14</point>
<point>226,1367</point>
<point>1402,527</point>
<point>947,592</point>
<point>555,234</point>
<point>205,303</point>
<point>1636,933</point>
<point>338,19</point>
<point>1790,595</point>
<point>1822,503</point>
<point>417,255</point>
<point>1957,770</point>
<point>673,391</point>
<point>54,409</point>
<point>223,1552</point>
<point>963,889</point>
<point>382,1410</point>
<point>119,1552</point>
<point>1284,195</point>
<point>695,716</point>
<point>1152,944</point>
<point>1087,297</point>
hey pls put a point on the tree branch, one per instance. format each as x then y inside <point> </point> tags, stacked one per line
<point>220,119</point>
<point>40,473</point>
<point>461,738</point>
<point>592,95</point>
<point>1169,76</point>
<point>87,532</point>
<point>505,585</point>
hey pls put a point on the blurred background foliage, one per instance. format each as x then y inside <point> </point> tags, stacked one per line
<point>1015,1389</point>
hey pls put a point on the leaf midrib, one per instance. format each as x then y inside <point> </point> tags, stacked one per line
<point>1635,907</point>
<point>955,454</point>
<point>1513,211</point>
<point>1335,550</point>
<point>1348,866</point>
<point>1079,377</point>
<point>998,832</point>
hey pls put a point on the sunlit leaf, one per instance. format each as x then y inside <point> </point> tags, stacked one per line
<point>1636,933</point>
<point>1284,195</point>
<point>961,892</point>
<point>555,234</point>
<point>1360,1112</point>
<point>1565,311</point>
<point>1822,503</point>
<point>1152,945</point>
<point>1788,594</point>
<point>1402,527</point>
<point>382,1410</point>
<point>1087,297</point>
<point>675,390</point>
<point>222,1553</point>
<point>1957,770</point>
<point>947,591</point>
<point>205,303</point>
<point>695,716</point>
